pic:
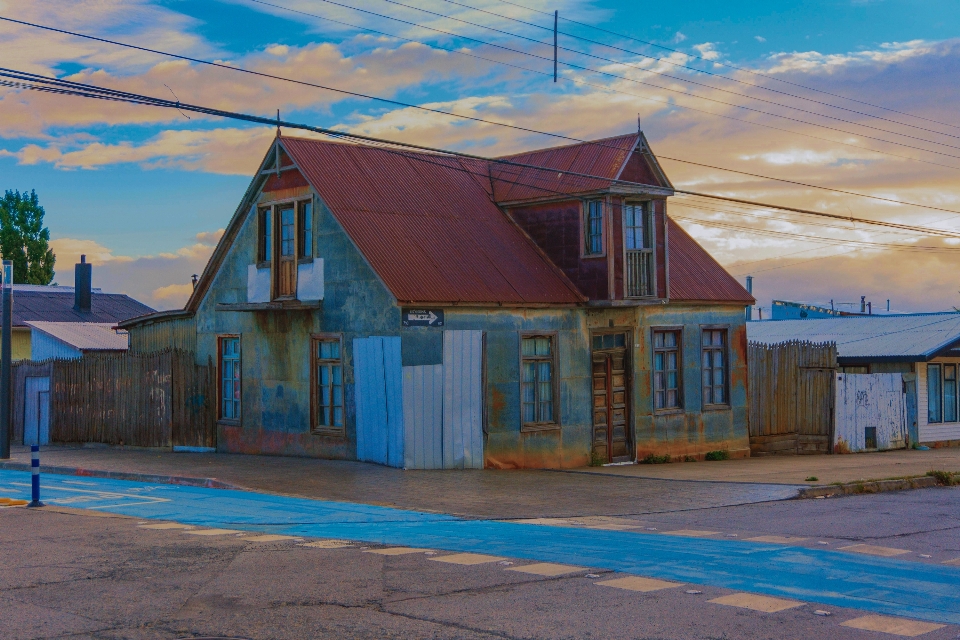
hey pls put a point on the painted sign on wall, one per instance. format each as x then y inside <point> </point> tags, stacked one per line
<point>422,318</point>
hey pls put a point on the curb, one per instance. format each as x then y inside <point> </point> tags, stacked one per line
<point>874,486</point>
<point>207,483</point>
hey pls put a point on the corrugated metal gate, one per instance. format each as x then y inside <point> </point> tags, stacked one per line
<point>871,412</point>
<point>791,397</point>
<point>422,417</point>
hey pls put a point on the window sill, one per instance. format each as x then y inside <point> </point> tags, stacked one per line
<point>668,412</point>
<point>591,256</point>
<point>715,407</point>
<point>539,426</point>
<point>305,260</point>
<point>263,265</point>
<point>228,423</point>
<point>329,432</point>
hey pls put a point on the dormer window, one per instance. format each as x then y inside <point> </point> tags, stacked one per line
<point>638,242</point>
<point>593,228</point>
<point>285,238</point>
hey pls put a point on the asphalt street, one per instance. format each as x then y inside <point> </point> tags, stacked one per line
<point>855,557</point>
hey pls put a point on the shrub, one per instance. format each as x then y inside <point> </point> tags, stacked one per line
<point>596,459</point>
<point>689,458</point>
<point>723,454</point>
<point>841,446</point>
<point>944,478</point>
<point>652,458</point>
<point>812,479</point>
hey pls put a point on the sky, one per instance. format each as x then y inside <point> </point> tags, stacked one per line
<point>851,95</point>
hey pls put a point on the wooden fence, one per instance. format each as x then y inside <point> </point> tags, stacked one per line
<point>160,399</point>
<point>791,397</point>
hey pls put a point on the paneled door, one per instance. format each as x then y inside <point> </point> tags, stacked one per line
<point>612,440</point>
<point>286,273</point>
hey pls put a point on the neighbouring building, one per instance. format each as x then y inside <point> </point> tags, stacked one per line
<point>71,340</point>
<point>787,310</point>
<point>923,348</point>
<point>430,311</point>
<point>78,304</point>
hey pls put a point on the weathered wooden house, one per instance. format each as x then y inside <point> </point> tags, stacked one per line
<point>430,311</point>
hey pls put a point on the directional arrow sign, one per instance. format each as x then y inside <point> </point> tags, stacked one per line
<point>422,318</point>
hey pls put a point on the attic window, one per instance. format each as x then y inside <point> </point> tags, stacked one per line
<point>593,228</point>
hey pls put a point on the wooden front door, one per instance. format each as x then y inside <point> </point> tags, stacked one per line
<point>611,412</point>
<point>286,272</point>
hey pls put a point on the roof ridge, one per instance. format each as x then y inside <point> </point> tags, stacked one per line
<point>565,146</point>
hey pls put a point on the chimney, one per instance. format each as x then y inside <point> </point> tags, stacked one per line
<point>863,304</point>
<point>888,305</point>
<point>870,308</point>
<point>749,310</point>
<point>82,283</point>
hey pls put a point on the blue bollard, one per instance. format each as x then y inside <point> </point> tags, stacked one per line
<point>35,479</point>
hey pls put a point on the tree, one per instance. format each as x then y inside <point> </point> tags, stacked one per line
<point>24,239</point>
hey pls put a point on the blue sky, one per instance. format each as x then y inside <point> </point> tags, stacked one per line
<point>144,192</point>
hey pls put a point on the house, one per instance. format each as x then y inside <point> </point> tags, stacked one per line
<point>70,340</point>
<point>922,348</point>
<point>432,311</point>
<point>78,304</point>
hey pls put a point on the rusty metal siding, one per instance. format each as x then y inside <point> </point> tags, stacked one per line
<point>427,227</point>
<point>870,400</point>
<point>555,227</point>
<point>175,333</point>
<point>616,246</point>
<point>695,276</point>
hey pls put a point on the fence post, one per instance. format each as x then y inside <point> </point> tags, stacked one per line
<point>35,478</point>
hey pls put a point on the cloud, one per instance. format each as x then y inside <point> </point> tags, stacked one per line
<point>759,38</point>
<point>707,51</point>
<point>677,39</point>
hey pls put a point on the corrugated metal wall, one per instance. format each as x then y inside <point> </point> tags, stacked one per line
<point>378,377</point>
<point>175,333</point>
<point>870,401</point>
<point>463,400</point>
<point>423,417</point>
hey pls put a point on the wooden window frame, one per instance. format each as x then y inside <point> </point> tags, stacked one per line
<point>220,338</point>
<point>585,228</point>
<point>681,399</point>
<point>305,257</point>
<point>725,328</point>
<point>650,214</point>
<point>315,428</point>
<point>530,427</point>
<point>274,206</point>
<point>262,260</point>
<point>943,392</point>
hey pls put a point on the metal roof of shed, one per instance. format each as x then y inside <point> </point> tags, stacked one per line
<point>916,338</point>
<point>55,304</point>
<point>85,336</point>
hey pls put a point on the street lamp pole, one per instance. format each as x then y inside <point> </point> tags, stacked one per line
<point>6,353</point>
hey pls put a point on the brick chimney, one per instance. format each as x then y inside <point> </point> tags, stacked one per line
<point>82,284</point>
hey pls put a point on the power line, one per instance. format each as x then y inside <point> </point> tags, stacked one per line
<point>576,81</point>
<point>680,79</point>
<point>735,67</point>
<point>677,64</point>
<point>22,79</point>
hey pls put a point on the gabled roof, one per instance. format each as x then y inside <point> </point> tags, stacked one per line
<point>428,227</point>
<point>55,304</point>
<point>695,276</point>
<point>906,338</point>
<point>608,159</point>
<point>85,336</point>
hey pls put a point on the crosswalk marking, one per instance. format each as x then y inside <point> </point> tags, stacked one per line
<point>755,602</point>
<point>211,532</point>
<point>268,537</point>
<point>547,569</point>
<point>328,544</point>
<point>776,539</point>
<point>636,583</point>
<point>467,558</point>
<point>691,533</point>
<point>396,551</point>
<point>872,550</point>
<point>893,626</point>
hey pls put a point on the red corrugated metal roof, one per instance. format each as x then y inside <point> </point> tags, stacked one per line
<point>602,158</point>
<point>695,276</point>
<point>428,227</point>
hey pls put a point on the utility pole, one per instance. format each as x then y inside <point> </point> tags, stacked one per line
<point>556,16</point>
<point>6,352</point>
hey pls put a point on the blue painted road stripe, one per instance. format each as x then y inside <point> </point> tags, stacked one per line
<point>882,585</point>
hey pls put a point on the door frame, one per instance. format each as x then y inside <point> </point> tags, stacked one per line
<point>628,333</point>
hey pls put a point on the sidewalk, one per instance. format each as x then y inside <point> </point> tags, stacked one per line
<point>795,470</point>
<point>472,493</point>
